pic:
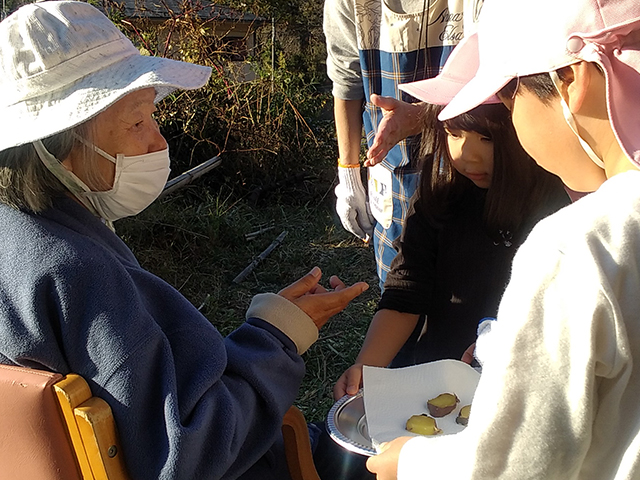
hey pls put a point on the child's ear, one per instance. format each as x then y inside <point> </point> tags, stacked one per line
<point>576,80</point>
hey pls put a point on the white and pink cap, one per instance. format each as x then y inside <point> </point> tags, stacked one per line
<point>525,37</point>
<point>460,67</point>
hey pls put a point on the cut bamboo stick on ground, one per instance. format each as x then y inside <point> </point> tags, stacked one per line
<point>243,274</point>
<point>253,235</point>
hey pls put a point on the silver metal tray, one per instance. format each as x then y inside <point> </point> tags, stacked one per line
<point>347,425</point>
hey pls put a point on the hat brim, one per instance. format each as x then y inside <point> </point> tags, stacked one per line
<point>440,90</point>
<point>459,69</point>
<point>480,89</point>
<point>56,111</point>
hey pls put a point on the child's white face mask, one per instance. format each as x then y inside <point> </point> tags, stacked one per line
<point>137,182</point>
<point>568,116</point>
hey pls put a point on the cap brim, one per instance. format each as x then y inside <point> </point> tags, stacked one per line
<point>480,89</point>
<point>460,68</point>
<point>438,90</point>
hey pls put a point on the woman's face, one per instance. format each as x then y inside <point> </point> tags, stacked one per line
<point>126,127</point>
<point>471,155</point>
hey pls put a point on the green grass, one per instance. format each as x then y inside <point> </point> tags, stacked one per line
<point>195,240</point>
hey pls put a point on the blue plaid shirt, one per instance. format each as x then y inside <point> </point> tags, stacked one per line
<point>382,72</point>
<point>372,50</point>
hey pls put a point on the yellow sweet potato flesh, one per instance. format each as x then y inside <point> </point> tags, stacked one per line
<point>423,425</point>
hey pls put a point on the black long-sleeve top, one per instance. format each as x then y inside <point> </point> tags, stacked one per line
<point>451,270</point>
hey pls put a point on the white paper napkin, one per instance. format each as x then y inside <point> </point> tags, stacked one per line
<point>392,395</point>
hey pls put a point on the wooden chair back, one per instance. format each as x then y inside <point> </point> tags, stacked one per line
<point>52,428</point>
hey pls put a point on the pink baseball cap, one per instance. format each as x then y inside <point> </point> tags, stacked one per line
<point>526,37</point>
<point>460,67</point>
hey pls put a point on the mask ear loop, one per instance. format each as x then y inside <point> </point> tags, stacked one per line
<point>568,116</point>
<point>95,149</point>
<point>75,186</point>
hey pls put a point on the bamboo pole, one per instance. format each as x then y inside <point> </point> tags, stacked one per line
<point>253,235</point>
<point>249,268</point>
<point>190,175</point>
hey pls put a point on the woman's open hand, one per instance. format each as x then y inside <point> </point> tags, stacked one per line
<point>318,302</point>
<point>400,119</point>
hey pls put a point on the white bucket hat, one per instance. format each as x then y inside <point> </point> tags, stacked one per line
<point>526,37</point>
<point>63,62</point>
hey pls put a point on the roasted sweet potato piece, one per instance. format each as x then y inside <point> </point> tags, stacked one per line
<point>422,424</point>
<point>463,415</point>
<point>442,405</point>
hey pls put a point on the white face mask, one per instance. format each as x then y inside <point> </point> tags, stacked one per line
<point>568,116</point>
<point>137,183</point>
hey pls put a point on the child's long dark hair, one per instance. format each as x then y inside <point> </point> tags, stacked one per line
<point>518,184</point>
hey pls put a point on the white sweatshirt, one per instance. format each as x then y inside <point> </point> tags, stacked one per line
<point>558,397</point>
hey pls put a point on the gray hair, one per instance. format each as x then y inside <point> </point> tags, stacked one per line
<point>26,184</point>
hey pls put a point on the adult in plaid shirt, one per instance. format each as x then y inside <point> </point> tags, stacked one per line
<point>372,46</point>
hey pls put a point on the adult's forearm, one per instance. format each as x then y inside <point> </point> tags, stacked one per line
<point>348,119</point>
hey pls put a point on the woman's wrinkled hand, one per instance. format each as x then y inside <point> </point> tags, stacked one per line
<point>400,119</point>
<point>318,302</point>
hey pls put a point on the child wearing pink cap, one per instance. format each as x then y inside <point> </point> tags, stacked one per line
<point>558,396</point>
<point>479,196</point>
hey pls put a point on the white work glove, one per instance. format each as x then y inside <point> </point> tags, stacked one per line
<point>352,204</point>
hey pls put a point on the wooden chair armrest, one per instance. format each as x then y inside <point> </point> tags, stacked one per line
<point>298,446</point>
<point>92,430</point>
<point>97,426</point>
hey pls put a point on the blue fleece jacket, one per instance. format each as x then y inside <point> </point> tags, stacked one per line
<point>189,404</point>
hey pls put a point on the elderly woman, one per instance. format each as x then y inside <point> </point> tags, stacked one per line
<point>79,148</point>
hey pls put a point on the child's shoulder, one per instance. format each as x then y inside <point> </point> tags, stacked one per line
<point>603,216</point>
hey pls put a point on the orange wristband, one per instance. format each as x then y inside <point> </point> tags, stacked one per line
<point>344,165</point>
